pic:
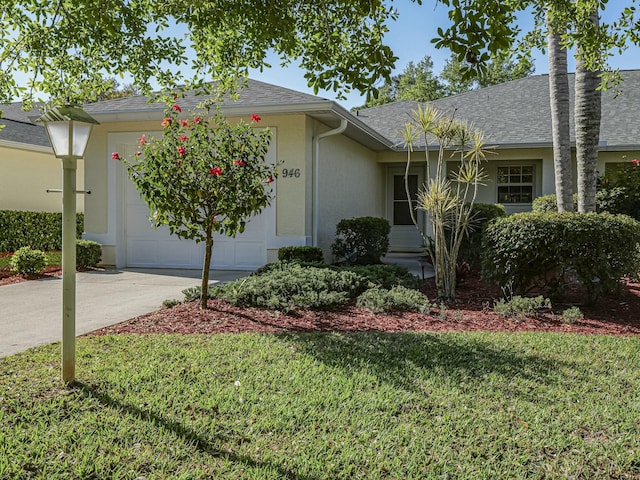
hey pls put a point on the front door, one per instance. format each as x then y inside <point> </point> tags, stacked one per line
<point>404,234</point>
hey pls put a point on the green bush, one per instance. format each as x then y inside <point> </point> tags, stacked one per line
<point>379,300</point>
<point>41,230</point>
<point>88,253</point>
<point>361,240</point>
<point>290,286</point>
<point>619,192</point>
<point>383,275</point>
<point>543,249</point>
<point>301,254</point>
<point>572,315</point>
<point>519,307</point>
<point>27,261</point>
<point>481,215</point>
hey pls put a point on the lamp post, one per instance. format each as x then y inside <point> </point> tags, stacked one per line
<point>68,127</point>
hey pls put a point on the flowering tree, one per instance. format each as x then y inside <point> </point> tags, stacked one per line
<point>204,176</point>
<point>447,199</point>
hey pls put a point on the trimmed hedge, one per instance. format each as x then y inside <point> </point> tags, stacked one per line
<point>39,230</point>
<point>88,253</point>
<point>361,240</point>
<point>301,254</point>
<point>28,261</point>
<point>540,249</point>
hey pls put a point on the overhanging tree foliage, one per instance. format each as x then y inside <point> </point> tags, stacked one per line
<point>204,176</point>
<point>64,48</point>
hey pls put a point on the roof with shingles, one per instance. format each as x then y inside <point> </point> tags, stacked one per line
<point>19,128</point>
<point>518,114</point>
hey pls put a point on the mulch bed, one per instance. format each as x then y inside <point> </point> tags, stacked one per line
<point>615,315</point>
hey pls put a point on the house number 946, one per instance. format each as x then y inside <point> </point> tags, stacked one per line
<point>291,172</point>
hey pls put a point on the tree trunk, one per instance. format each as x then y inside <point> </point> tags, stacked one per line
<point>559,100</point>
<point>587,125</point>
<point>204,286</point>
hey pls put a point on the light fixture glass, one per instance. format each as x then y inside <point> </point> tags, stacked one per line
<point>68,127</point>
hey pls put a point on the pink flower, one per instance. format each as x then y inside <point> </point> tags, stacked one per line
<point>138,154</point>
<point>239,163</point>
<point>214,220</point>
<point>216,171</point>
<point>198,119</point>
<point>183,138</point>
<point>176,108</point>
<point>270,179</point>
<point>115,156</point>
<point>182,151</point>
<point>635,161</point>
<point>184,123</point>
<point>142,141</point>
<point>179,162</point>
<point>255,118</point>
<point>166,122</point>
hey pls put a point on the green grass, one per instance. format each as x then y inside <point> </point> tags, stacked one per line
<point>325,406</point>
<point>53,258</point>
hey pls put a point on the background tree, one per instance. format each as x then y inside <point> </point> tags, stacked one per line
<point>204,176</point>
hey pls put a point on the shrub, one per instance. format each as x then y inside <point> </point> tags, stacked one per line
<point>480,216</point>
<point>361,240</point>
<point>379,300</point>
<point>40,230</point>
<point>519,307</point>
<point>385,276</point>
<point>88,253</point>
<point>541,249</point>
<point>291,286</point>
<point>171,302</point>
<point>572,315</point>
<point>301,254</point>
<point>27,261</point>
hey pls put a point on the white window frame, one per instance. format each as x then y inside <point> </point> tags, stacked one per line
<point>531,184</point>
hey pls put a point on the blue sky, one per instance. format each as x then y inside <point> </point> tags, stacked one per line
<point>410,39</point>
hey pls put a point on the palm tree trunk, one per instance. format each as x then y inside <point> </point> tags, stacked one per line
<point>587,128</point>
<point>559,101</point>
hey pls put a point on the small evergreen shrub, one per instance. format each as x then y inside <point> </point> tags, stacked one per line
<point>88,253</point>
<point>301,254</point>
<point>572,315</point>
<point>40,230</point>
<point>291,286</point>
<point>171,302</point>
<point>541,249</point>
<point>384,275</point>
<point>27,261</point>
<point>379,300</point>
<point>361,240</point>
<point>519,307</point>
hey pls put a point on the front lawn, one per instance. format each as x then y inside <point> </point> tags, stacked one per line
<point>326,405</point>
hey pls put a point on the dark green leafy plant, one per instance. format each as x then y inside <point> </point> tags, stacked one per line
<point>361,240</point>
<point>40,230</point>
<point>27,261</point>
<point>399,298</point>
<point>479,217</point>
<point>301,254</point>
<point>542,249</point>
<point>88,253</point>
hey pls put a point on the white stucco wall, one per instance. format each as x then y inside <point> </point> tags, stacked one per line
<point>352,184</point>
<point>25,176</point>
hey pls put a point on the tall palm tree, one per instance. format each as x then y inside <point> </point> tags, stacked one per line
<point>559,101</point>
<point>587,114</point>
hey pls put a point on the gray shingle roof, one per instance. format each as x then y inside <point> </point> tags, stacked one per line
<point>517,113</point>
<point>256,94</point>
<point>18,127</point>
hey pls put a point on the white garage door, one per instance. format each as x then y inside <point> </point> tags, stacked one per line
<point>151,248</point>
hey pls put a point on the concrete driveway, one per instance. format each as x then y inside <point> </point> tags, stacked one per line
<point>31,312</point>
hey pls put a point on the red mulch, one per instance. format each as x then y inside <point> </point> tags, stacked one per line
<point>7,276</point>
<point>615,315</point>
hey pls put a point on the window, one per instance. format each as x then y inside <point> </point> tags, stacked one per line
<point>515,184</point>
<point>401,213</point>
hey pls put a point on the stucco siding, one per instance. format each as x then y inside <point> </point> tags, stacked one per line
<point>25,176</point>
<point>351,185</point>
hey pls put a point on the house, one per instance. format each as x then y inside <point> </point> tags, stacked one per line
<point>335,164</point>
<point>28,167</point>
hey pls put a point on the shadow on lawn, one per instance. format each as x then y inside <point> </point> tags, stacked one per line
<point>201,442</point>
<point>393,357</point>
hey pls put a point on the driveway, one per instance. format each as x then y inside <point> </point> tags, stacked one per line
<point>31,312</point>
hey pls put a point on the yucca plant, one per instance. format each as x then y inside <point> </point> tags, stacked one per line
<point>448,201</point>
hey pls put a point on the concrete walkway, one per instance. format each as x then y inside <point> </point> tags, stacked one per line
<point>31,312</point>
